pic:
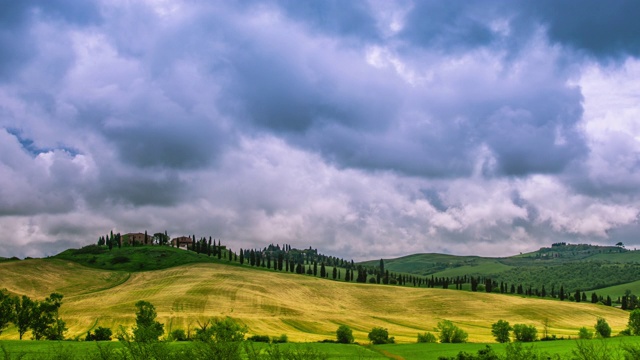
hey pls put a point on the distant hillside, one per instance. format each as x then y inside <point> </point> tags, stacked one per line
<point>573,267</point>
<point>305,308</point>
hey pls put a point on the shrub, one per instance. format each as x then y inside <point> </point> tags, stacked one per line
<point>603,329</point>
<point>178,335</point>
<point>282,339</point>
<point>259,338</point>
<point>102,334</point>
<point>525,333</point>
<point>344,334</point>
<point>427,338</point>
<point>450,333</point>
<point>585,333</point>
<point>379,335</point>
<point>120,260</point>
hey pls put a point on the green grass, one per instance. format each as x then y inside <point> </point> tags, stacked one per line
<point>619,290</point>
<point>137,258</point>
<point>561,348</point>
<point>37,350</point>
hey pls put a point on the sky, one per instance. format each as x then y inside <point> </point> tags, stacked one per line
<point>365,129</point>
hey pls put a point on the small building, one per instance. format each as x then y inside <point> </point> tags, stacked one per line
<point>181,242</point>
<point>137,238</point>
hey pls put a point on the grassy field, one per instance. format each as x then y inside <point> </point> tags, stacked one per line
<point>46,349</point>
<point>303,307</point>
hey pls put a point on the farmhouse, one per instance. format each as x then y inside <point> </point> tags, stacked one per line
<point>181,242</point>
<point>137,238</point>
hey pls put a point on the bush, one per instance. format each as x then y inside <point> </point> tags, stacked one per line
<point>102,334</point>
<point>282,339</point>
<point>525,333</point>
<point>259,338</point>
<point>450,333</point>
<point>585,333</point>
<point>427,338</point>
<point>634,322</point>
<point>344,335</point>
<point>120,260</point>
<point>380,335</point>
<point>500,331</point>
<point>178,335</point>
<point>603,329</point>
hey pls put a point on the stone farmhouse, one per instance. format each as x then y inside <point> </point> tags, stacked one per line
<point>137,238</point>
<point>181,242</point>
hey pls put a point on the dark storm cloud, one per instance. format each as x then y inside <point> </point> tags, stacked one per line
<point>16,42</point>
<point>606,30</point>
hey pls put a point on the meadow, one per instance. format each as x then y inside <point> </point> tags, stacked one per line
<point>305,308</point>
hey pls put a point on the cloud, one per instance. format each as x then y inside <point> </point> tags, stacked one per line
<point>365,129</point>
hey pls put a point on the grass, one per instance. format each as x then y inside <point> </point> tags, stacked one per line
<point>619,290</point>
<point>304,308</point>
<point>563,348</point>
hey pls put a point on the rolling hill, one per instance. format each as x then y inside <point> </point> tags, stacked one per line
<point>305,308</point>
<point>575,267</point>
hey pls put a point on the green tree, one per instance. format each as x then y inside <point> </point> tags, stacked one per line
<point>44,320</point>
<point>525,333</point>
<point>585,333</point>
<point>449,333</point>
<point>603,329</point>
<point>500,331</point>
<point>634,322</point>
<point>23,310</point>
<point>427,338</point>
<point>100,334</point>
<point>344,335</point>
<point>147,328</point>
<point>7,310</point>
<point>379,335</point>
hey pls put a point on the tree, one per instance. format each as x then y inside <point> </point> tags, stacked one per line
<point>450,333</point>
<point>100,334</point>
<point>344,335</point>
<point>23,309</point>
<point>379,335</point>
<point>525,333</point>
<point>7,310</point>
<point>500,331</point>
<point>603,329</point>
<point>634,322</point>
<point>585,333</point>
<point>44,320</point>
<point>427,338</point>
<point>147,328</point>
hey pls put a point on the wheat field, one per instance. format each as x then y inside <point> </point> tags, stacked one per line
<point>270,303</point>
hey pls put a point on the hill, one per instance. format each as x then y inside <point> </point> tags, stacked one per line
<point>305,308</point>
<point>575,267</point>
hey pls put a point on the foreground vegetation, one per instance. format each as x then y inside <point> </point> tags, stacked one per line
<point>619,348</point>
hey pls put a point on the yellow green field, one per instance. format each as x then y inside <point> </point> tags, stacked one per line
<point>270,303</point>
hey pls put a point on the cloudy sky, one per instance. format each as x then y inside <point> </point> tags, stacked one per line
<point>366,129</point>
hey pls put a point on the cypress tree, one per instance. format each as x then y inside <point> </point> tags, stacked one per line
<point>241,256</point>
<point>323,271</point>
<point>209,247</point>
<point>335,272</point>
<point>219,250</point>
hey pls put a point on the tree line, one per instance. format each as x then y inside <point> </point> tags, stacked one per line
<point>41,317</point>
